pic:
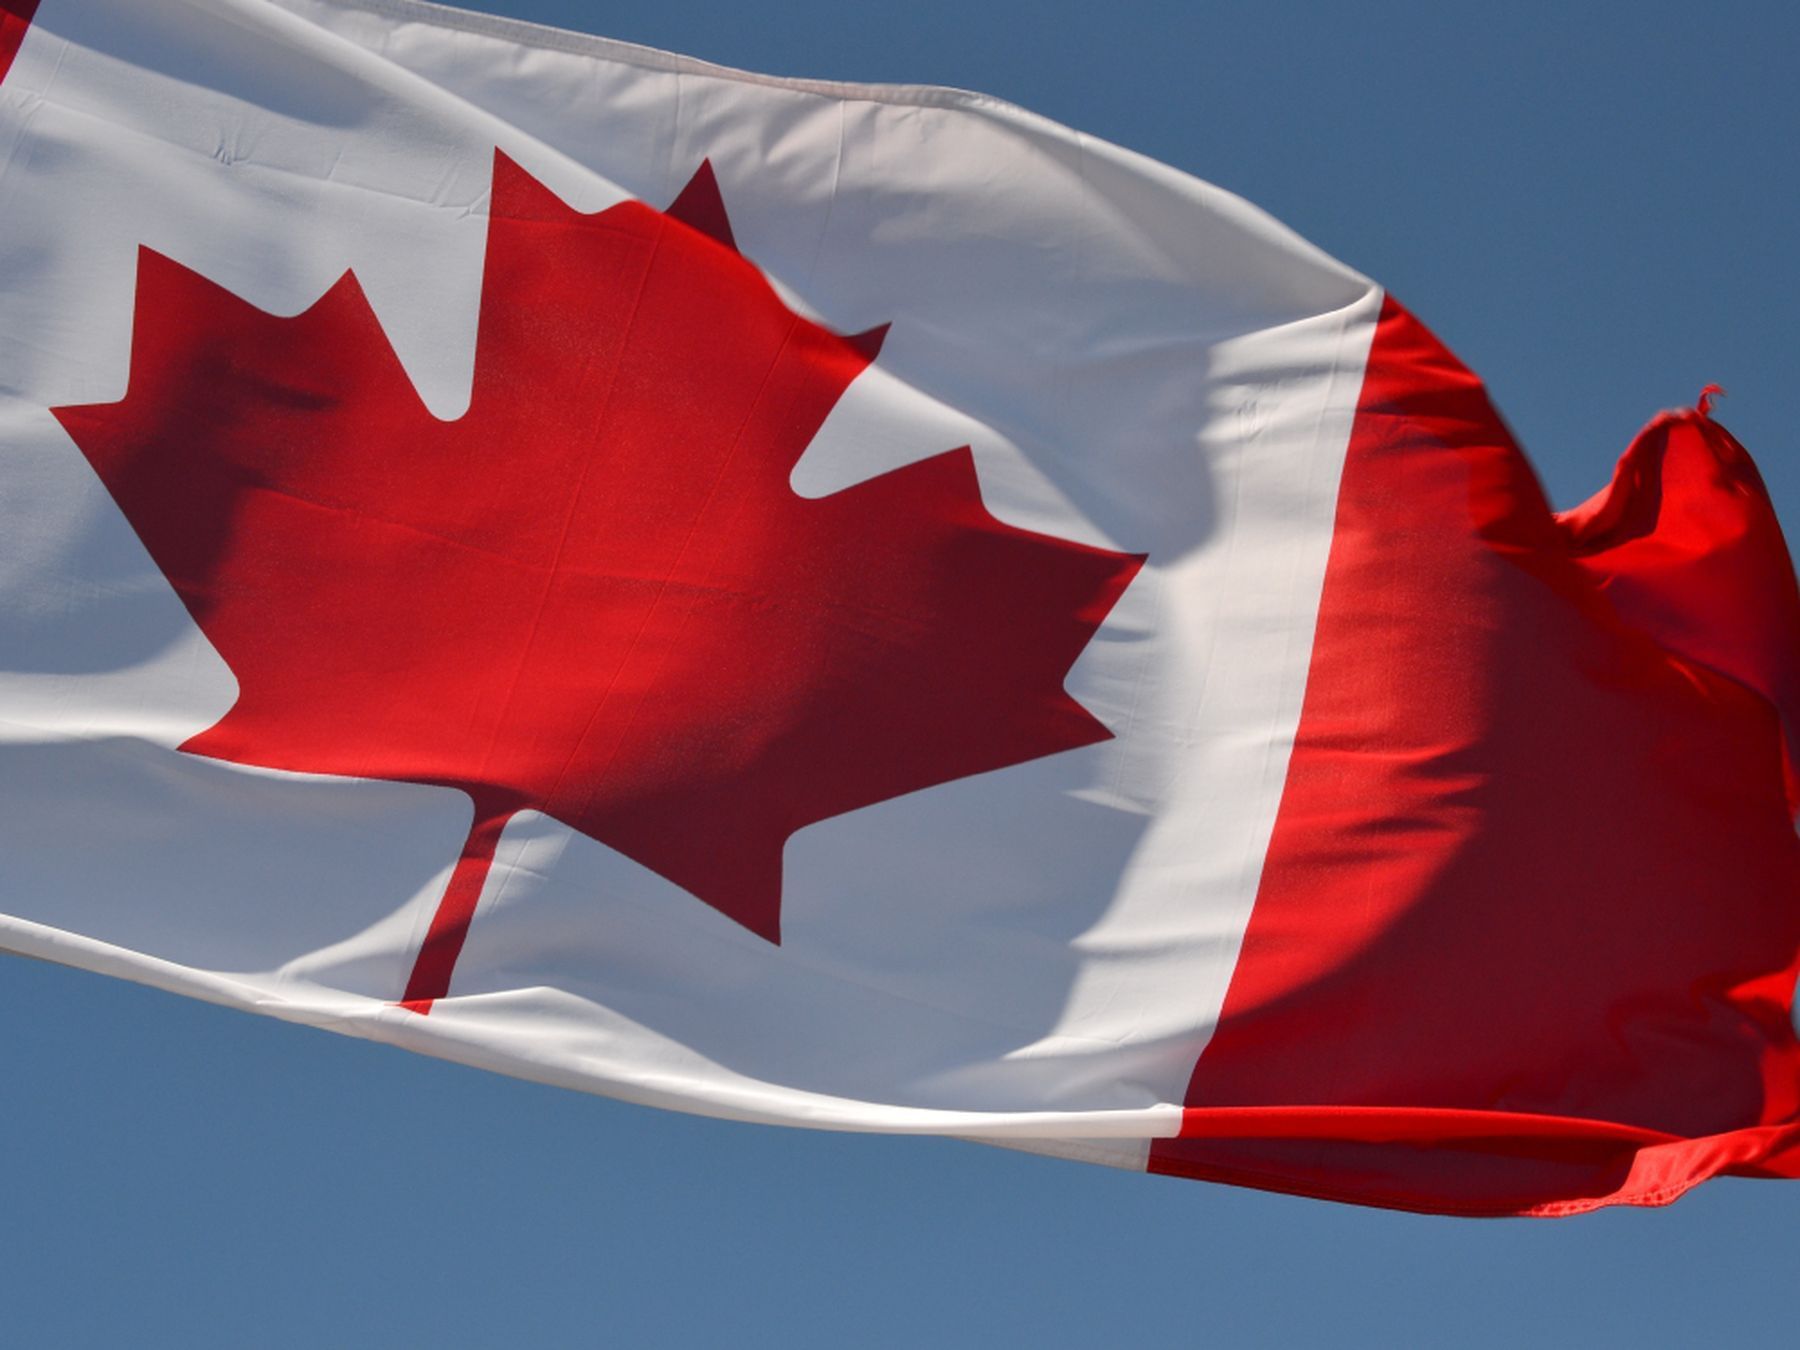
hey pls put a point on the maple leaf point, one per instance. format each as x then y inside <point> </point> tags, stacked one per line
<point>594,594</point>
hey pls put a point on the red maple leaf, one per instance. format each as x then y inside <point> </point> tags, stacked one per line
<point>594,593</point>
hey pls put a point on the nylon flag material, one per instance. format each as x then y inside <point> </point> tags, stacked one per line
<point>858,607</point>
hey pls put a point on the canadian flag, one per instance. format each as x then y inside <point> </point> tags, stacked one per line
<point>858,607</point>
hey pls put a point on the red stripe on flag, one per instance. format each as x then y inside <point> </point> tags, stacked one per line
<point>15,18</point>
<point>1534,857</point>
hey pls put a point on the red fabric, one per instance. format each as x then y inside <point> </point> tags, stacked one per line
<point>15,18</point>
<point>1535,865</point>
<point>1687,548</point>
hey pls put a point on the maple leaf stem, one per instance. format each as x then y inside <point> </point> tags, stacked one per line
<point>436,961</point>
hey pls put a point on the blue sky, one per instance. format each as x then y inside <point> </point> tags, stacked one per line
<point>1595,205</point>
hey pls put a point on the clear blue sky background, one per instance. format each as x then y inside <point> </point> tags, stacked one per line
<point>1597,204</point>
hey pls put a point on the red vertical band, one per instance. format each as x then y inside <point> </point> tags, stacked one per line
<point>15,18</point>
<point>1534,854</point>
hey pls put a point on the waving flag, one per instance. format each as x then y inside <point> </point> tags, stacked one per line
<point>860,607</point>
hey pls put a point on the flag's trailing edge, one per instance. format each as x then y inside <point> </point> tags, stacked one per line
<point>1527,930</point>
<point>856,607</point>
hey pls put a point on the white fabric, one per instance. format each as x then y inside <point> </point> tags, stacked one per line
<point>1138,359</point>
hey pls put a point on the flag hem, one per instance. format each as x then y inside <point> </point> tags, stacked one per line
<point>576,43</point>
